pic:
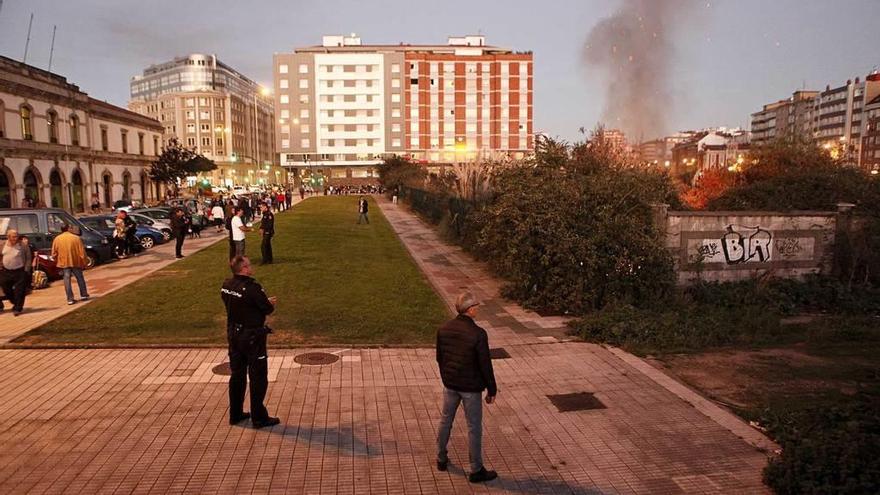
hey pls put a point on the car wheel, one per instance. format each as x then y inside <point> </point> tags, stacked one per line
<point>147,242</point>
<point>91,259</point>
<point>166,233</point>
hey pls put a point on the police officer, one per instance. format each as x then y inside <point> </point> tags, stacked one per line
<point>267,229</point>
<point>246,308</point>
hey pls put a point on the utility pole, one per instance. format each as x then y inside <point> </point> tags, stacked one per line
<point>28,42</point>
<point>52,49</point>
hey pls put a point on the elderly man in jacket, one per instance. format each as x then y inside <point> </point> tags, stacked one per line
<point>15,257</point>
<point>466,370</point>
<point>70,256</point>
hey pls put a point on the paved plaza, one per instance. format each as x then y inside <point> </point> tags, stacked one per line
<point>155,420</point>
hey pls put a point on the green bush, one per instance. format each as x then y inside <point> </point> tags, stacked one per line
<point>572,238</point>
<point>712,314</point>
<point>679,327</point>
<point>827,450</point>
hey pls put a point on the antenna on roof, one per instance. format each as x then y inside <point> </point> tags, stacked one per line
<point>52,48</point>
<point>28,42</point>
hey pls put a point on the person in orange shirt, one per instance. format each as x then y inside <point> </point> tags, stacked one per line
<point>70,256</point>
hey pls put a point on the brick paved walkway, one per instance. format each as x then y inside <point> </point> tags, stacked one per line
<point>154,421</point>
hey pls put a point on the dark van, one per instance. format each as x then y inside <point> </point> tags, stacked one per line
<point>42,225</point>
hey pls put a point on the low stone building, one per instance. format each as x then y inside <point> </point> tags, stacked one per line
<point>60,148</point>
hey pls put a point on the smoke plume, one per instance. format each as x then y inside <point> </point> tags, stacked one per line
<point>633,51</point>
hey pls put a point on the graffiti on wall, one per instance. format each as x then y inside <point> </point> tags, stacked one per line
<point>741,244</point>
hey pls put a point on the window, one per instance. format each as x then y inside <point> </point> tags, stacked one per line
<point>283,84</point>
<point>27,129</point>
<point>395,142</point>
<point>303,84</point>
<point>52,125</point>
<point>156,145</point>
<point>305,142</point>
<point>190,141</point>
<point>285,114</point>
<point>304,129</point>
<point>304,99</point>
<point>104,145</point>
<point>206,142</point>
<point>282,69</point>
<point>204,127</point>
<point>141,143</point>
<point>191,128</point>
<point>395,83</point>
<point>123,134</point>
<point>303,69</point>
<point>395,112</point>
<point>395,97</point>
<point>304,113</point>
<point>395,127</point>
<point>285,99</point>
<point>190,115</point>
<point>74,130</point>
<point>395,68</point>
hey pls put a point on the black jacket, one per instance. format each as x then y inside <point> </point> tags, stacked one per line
<point>246,302</point>
<point>463,356</point>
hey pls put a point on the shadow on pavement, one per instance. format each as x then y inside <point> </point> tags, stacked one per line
<point>342,439</point>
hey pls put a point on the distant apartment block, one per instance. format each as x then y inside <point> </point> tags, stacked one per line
<point>837,118</point>
<point>710,149</point>
<point>212,107</point>
<point>343,106</point>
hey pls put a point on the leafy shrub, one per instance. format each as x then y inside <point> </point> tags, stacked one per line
<point>572,234</point>
<point>827,450</point>
<point>679,327</point>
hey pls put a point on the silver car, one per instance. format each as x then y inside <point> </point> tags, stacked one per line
<point>162,225</point>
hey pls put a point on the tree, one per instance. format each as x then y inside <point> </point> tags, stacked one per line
<point>397,171</point>
<point>178,162</point>
<point>711,185</point>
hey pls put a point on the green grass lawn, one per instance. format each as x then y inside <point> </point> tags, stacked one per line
<point>336,282</point>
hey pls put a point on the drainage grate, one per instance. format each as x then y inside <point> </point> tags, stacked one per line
<point>222,369</point>
<point>499,353</point>
<point>316,358</point>
<point>579,401</point>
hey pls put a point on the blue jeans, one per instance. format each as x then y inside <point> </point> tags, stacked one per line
<point>473,413</point>
<point>80,281</point>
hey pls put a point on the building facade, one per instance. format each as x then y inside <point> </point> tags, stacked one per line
<point>59,147</point>
<point>833,117</point>
<point>791,116</point>
<point>344,106</point>
<point>213,108</point>
<point>710,150</point>
<point>869,158</point>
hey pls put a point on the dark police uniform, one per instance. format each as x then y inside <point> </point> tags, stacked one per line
<point>246,308</point>
<point>267,225</point>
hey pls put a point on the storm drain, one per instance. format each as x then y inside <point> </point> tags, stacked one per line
<point>316,358</point>
<point>578,401</point>
<point>499,353</point>
<point>222,369</point>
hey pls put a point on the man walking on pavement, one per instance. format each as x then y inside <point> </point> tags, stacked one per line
<point>466,370</point>
<point>267,230</point>
<point>180,227</point>
<point>70,256</point>
<point>15,257</point>
<point>237,232</point>
<point>363,207</point>
<point>246,309</point>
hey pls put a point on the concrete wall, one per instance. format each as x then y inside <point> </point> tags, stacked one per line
<point>728,246</point>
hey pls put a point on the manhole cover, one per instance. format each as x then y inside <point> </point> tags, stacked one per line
<point>316,358</point>
<point>222,369</point>
<point>579,401</point>
<point>499,353</point>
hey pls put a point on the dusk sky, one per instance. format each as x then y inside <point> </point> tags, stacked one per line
<point>731,56</point>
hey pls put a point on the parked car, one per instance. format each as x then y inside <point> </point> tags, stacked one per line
<point>156,213</point>
<point>106,224</point>
<point>42,225</point>
<point>161,225</point>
